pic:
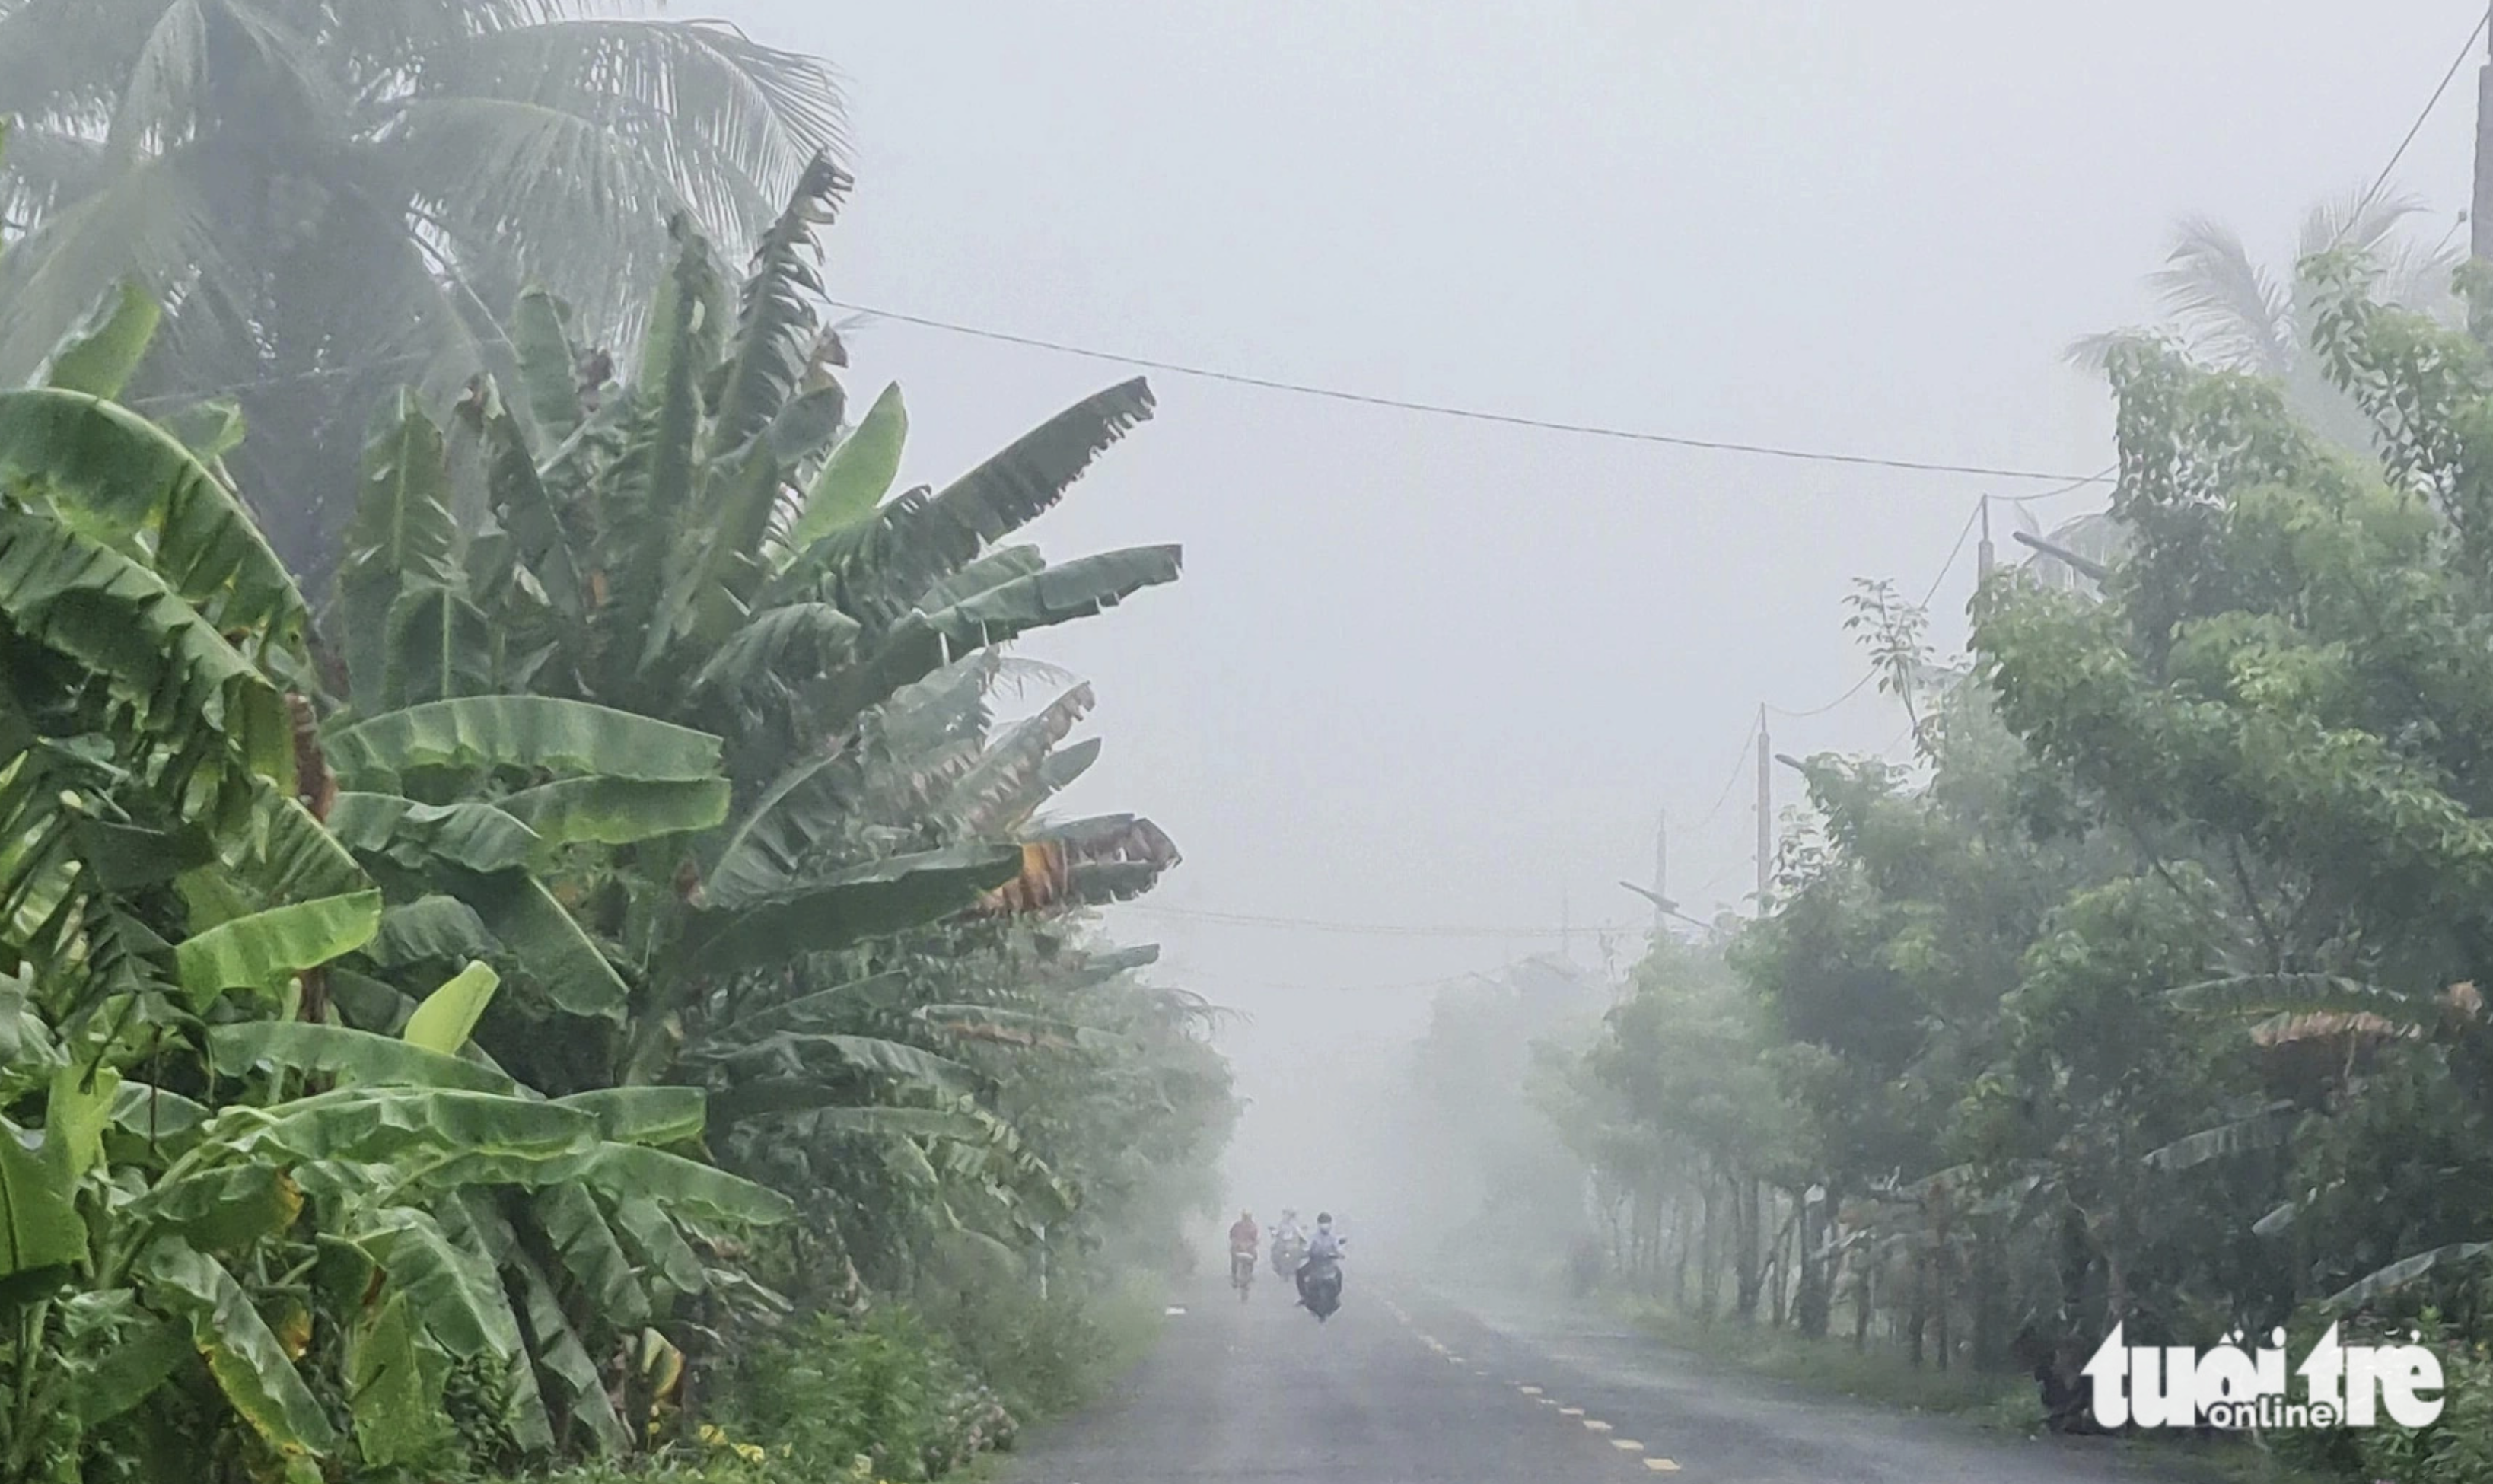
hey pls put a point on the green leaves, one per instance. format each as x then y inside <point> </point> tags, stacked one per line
<point>99,355</point>
<point>527,732</point>
<point>861,902</point>
<point>857,475</point>
<point>263,950</point>
<point>135,635</point>
<point>121,480</point>
<point>357,1058</point>
<point>243,1354</point>
<point>40,1234</point>
<point>441,1024</point>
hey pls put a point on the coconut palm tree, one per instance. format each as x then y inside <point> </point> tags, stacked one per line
<point>332,197</point>
<point>2228,310</point>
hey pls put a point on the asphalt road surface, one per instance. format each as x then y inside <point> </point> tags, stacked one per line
<point>1401,1386</point>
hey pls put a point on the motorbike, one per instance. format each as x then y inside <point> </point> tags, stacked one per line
<point>1241,1272</point>
<point>1288,1253</point>
<point>1320,1287</point>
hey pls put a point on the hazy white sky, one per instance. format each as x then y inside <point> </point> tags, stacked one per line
<point>1437,673</point>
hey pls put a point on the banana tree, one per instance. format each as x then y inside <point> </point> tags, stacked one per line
<point>711,544</point>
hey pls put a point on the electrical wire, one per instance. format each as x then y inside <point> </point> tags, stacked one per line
<point>2466,50</point>
<point>1739,770</point>
<point>1443,409</point>
<point>1369,930</point>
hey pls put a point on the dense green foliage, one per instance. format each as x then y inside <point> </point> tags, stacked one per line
<point>2146,993</point>
<point>383,994</point>
<point>330,198</point>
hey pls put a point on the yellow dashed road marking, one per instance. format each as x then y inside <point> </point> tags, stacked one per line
<point>1662,1466</point>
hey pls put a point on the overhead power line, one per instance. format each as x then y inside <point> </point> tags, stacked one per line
<point>1366,929</point>
<point>1470,414</point>
<point>2466,50</point>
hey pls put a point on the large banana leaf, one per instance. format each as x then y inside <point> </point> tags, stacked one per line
<point>441,1024</point>
<point>760,857</point>
<point>357,1058</point>
<point>474,835</point>
<point>866,901</point>
<point>453,1291</point>
<point>622,1172</point>
<point>40,1234</point>
<point>226,1210</point>
<point>531,732</point>
<point>98,357</point>
<point>855,477</point>
<point>921,643</point>
<point>262,950</point>
<point>618,812</point>
<point>549,375</point>
<point>2304,994</point>
<point>1029,474</point>
<point>2406,1270</point>
<point>139,636</point>
<point>243,1354</point>
<point>765,645</point>
<point>428,1125</point>
<point>814,1011</point>
<point>564,1359</point>
<point>396,1401</point>
<point>801,1054</point>
<point>121,478</point>
<point>773,347</point>
<point>588,1251</point>
<point>430,929</point>
<point>402,554</point>
<point>659,1249</point>
<point>643,1115</point>
<point>544,940</point>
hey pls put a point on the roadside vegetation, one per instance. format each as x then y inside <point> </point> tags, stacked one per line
<point>2145,992</point>
<point>581,966</point>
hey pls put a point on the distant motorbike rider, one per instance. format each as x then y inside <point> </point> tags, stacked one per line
<point>1287,1230</point>
<point>1324,1247</point>
<point>1245,1235</point>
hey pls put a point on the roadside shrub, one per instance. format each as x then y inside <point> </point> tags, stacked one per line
<point>884,1388</point>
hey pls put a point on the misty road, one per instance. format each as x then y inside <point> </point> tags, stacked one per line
<point>1406,1388</point>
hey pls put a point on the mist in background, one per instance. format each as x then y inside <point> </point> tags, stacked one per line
<point>1433,673</point>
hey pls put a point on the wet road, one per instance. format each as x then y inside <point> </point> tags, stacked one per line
<point>1404,1386</point>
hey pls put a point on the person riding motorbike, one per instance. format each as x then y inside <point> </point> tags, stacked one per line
<point>1289,1243</point>
<point>1324,1251</point>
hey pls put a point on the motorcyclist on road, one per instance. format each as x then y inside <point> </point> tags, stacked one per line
<point>1324,1245</point>
<point>1287,1229</point>
<point>1245,1234</point>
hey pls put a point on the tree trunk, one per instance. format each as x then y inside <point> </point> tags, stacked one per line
<point>1811,1302</point>
<point>1861,1298</point>
<point>1747,1273</point>
<point>1918,1316</point>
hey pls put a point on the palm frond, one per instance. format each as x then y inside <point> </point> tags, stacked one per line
<point>759,115</point>
<point>2233,311</point>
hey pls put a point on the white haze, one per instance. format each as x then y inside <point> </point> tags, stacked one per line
<point>1424,672</point>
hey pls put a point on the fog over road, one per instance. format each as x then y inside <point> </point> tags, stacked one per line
<point>1403,1385</point>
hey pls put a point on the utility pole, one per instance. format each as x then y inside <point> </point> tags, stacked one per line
<point>1982,552</point>
<point>2479,213</point>
<point>1660,870</point>
<point>1566,929</point>
<point>1765,813</point>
